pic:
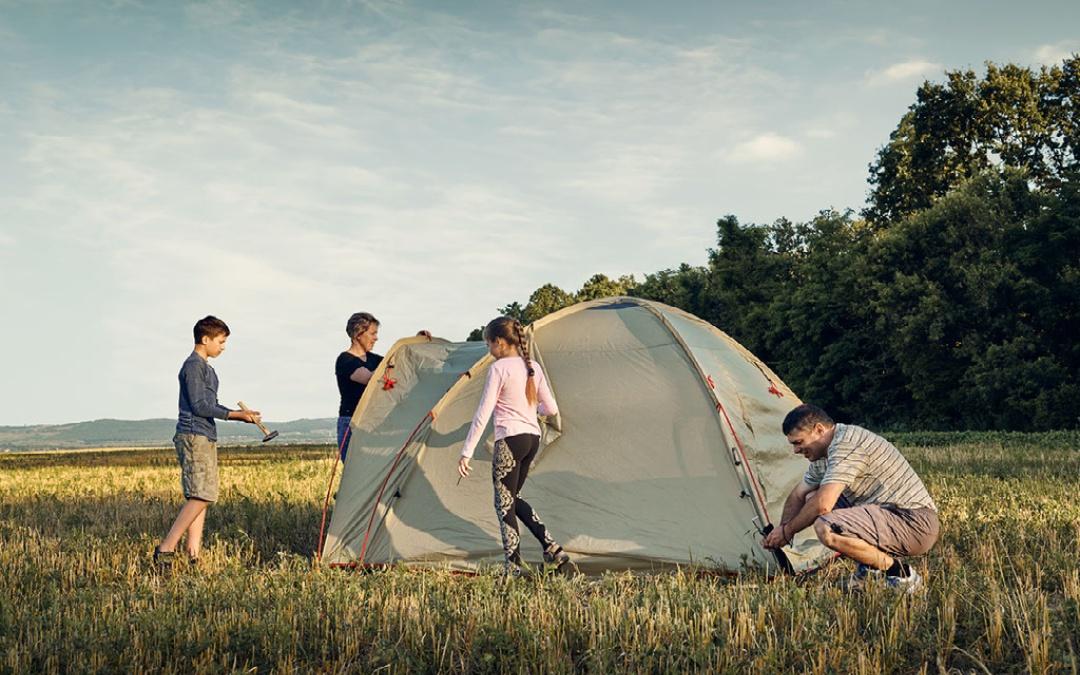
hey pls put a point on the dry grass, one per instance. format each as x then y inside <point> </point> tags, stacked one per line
<point>77,593</point>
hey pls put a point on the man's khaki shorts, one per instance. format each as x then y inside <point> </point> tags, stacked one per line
<point>198,466</point>
<point>896,531</point>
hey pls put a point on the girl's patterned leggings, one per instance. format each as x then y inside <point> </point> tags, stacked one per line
<point>509,469</point>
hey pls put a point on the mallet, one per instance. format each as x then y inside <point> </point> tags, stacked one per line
<point>269,435</point>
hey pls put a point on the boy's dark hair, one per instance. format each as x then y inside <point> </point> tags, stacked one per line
<point>806,416</point>
<point>210,327</point>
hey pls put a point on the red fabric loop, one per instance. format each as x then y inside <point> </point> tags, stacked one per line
<point>387,381</point>
<point>712,385</point>
<point>774,390</point>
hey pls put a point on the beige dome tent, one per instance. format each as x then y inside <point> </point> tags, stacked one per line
<point>667,450</point>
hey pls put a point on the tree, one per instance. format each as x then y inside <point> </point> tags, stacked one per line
<point>545,300</point>
<point>1013,117</point>
<point>600,286</point>
<point>514,310</point>
<point>749,267</point>
<point>685,287</point>
<point>975,297</point>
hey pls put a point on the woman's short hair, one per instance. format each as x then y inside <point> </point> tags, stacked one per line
<point>358,323</point>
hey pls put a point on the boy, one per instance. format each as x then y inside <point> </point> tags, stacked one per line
<point>196,438</point>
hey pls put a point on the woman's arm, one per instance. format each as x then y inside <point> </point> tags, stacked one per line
<point>361,375</point>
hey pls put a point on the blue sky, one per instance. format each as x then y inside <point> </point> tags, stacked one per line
<point>282,165</point>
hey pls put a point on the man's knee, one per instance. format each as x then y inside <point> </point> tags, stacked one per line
<point>824,533</point>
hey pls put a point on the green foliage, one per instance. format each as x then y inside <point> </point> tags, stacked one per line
<point>599,286</point>
<point>550,298</point>
<point>962,315</point>
<point>685,287</point>
<point>954,304</point>
<point>1012,117</point>
<point>545,300</point>
<point>970,296</point>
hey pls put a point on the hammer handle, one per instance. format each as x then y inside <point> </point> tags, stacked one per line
<point>258,424</point>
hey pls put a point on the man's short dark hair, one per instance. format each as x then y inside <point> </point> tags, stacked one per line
<point>806,416</point>
<point>210,327</point>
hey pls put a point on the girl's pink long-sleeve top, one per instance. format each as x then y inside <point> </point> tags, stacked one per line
<point>504,394</point>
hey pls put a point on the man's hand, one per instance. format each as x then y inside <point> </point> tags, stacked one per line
<point>463,467</point>
<point>777,538</point>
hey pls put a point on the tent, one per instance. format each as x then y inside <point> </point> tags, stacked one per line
<point>667,450</point>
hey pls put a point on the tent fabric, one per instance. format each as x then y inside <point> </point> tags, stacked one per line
<point>667,450</point>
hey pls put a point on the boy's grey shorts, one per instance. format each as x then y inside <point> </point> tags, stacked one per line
<point>898,532</point>
<point>198,466</point>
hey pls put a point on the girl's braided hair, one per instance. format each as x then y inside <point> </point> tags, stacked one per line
<point>513,332</point>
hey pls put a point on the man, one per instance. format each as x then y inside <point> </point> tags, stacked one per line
<point>862,497</point>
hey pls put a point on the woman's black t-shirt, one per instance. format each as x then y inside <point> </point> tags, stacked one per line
<point>351,391</point>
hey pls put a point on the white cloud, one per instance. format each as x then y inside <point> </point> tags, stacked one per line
<point>1054,54</point>
<point>765,148</point>
<point>904,71</point>
<point>427,180</point>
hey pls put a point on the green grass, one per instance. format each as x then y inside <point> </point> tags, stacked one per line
<point>77,593</point>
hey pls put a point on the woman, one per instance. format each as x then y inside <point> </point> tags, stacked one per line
<point>354,369</point>
<point>516,391</point>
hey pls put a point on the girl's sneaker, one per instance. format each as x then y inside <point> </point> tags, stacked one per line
<point>555,556</point>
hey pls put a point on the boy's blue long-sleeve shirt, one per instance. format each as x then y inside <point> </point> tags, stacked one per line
<point>198,399</point>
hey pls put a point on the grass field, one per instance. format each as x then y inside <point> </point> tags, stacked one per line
<point>77,592</point>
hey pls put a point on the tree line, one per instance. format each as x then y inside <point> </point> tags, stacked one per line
<point>952,301</point>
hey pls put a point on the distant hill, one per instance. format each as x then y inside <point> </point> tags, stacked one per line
<point>155,432</point>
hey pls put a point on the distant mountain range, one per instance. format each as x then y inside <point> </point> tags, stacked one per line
<point>155,432</point>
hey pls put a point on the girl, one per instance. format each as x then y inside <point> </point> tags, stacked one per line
<point>516,390</point>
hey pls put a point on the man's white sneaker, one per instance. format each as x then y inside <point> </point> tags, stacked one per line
<point>909,584</point>
<point>862,575</point>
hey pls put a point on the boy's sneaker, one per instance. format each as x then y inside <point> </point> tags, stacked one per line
<point>555,556</point>
<point>163,559</point>
<point>908,584</point>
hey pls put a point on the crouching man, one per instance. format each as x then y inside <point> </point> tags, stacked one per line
<point>862,497</point>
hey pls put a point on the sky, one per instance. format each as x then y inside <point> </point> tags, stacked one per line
<point>282,165</point>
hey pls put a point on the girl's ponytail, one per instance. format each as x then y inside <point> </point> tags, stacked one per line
<point>523,349</point>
